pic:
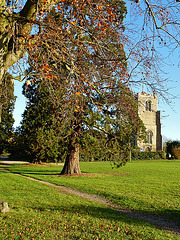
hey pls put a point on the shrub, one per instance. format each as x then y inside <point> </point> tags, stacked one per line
<point>173,149</point>
<point>176,152</point>
<point>162,154</point>
<point>137,155</point>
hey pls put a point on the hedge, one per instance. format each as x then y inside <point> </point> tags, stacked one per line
<point>137,155</point>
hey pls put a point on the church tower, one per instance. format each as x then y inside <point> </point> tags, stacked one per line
<point>147,110</point>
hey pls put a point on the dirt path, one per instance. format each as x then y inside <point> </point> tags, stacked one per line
<point>154,220</point>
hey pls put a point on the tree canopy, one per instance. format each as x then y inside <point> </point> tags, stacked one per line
<point>158,25</point>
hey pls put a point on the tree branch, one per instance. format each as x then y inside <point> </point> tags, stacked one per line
<point>24,18</point>
<point>160,27</point>
<point>2,3</point>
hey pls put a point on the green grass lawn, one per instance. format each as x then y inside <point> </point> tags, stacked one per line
<point>42,212</point>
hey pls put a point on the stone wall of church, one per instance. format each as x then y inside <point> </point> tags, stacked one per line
<point>147,110</point>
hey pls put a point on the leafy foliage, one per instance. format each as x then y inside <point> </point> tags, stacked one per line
<point>8,101</point>
<point>137,155</point>
<point>173,149</point>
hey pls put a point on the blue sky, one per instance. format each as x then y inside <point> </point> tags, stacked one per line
<point>170,114</point>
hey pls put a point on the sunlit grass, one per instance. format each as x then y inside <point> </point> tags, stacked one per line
<point>42,212</point>
<point>151,187</point>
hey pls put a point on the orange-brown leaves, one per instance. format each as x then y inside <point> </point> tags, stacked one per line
<point>46,68</point>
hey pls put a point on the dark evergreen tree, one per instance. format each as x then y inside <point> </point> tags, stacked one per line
<point>40,124</point>
<point>8,101</point>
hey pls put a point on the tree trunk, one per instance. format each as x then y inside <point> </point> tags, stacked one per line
<point>1,104</point>
<point>1,78</point>
<point>0,112</point>
<point>72,161</point>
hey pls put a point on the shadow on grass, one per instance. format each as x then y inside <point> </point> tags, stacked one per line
<point>114,215</point>
<point>15,169</point>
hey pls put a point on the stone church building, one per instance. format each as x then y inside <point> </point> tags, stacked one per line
<point>147,110</point>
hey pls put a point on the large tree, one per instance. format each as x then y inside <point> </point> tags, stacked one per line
<point>85,61</point>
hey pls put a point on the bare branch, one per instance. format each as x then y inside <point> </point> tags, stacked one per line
<point>163,25</point>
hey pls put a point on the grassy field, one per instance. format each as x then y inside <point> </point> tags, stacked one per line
<point>42,212</point>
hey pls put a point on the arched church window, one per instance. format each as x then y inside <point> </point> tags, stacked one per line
<point>149,149</point>
<point>148,105</point>
<point>149,137</point>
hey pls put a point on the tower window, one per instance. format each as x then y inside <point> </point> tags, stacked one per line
<point>148,105</point>
<point>149,149</point>
<point>149,137</point>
